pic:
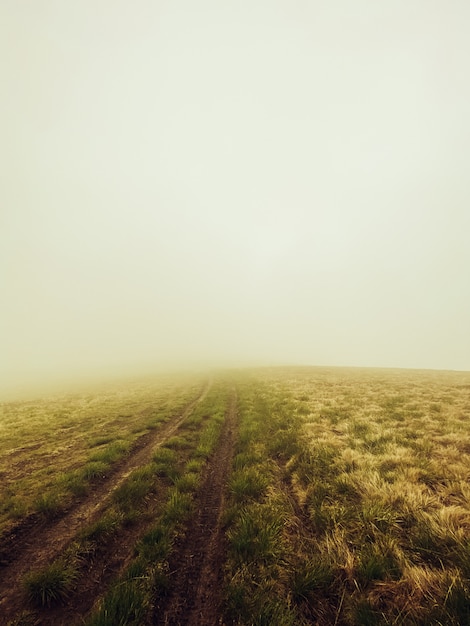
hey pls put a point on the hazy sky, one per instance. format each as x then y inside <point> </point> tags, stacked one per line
<point>237,181</point>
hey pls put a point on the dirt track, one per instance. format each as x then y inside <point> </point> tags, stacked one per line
<point>196,567</point>
<point>37,544</point>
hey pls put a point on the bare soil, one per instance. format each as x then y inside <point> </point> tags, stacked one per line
<point>37,542</point>
<point>195,591</point>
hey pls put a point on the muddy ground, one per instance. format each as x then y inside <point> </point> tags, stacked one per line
<point>194,597</point>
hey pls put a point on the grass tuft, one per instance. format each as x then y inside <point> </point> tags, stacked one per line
<point>248,483</point>
<point>48,505</point>
<point>311,575</point>
<point>124,605</point>
<point>50,585</point>
<point>256,535</point>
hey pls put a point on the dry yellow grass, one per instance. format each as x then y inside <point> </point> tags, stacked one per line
<point>382,476</point>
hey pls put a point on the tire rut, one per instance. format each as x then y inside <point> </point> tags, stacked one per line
<point>195,596</point>
<point>39,544</point>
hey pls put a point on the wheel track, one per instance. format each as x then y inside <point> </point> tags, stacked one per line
<point>195,596</point>
<point>41,543</point>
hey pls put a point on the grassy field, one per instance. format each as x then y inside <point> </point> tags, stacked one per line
<point>52,448</point>
<point>345,499</point>
<point>351,499</point>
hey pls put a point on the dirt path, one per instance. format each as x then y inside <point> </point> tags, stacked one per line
<point>197,574</point>
<point>36,545</point>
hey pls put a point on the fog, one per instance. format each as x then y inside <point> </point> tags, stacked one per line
<point>260,182</point>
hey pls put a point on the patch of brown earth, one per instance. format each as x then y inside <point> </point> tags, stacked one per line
<point>195,590</point>
<point>37,542</point>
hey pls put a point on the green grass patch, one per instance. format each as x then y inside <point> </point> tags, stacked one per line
<point>248,483</point>
<point>50,585</point>
<point>112,453</point>
<point>124,605</point>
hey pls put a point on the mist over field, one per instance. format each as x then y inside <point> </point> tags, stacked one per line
<point>192,184</point>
